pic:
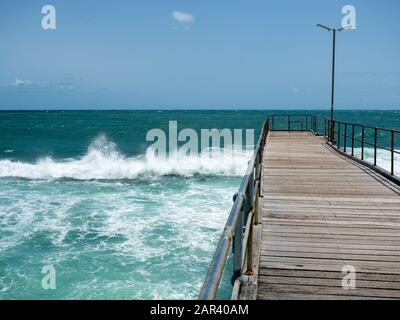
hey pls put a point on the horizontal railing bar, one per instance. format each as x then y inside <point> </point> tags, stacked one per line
<point>214,275</point>
<point>236,289</point>
<point>366,126</point>
<point>217,267</point>
<point>246,235</point>
<point>372,144</point>
<point>365,141</point>
<point>360,140</point>
<point>378,146</point>
<point>292,115</point>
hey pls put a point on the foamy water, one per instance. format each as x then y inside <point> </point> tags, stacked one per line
<point>384,158</point>
<point>113,226</point>
<point>115,222</point>
<point>103,161</point>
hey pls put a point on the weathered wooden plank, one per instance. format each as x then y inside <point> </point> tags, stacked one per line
<point>327,274</point>
<point>332,240</point>
<point>390,199</point>
<point>308,296</point>
<point>327,282</point>
<point>326,267</point>
<point>321,211</point>
<point>338,262</point>
<point>374,254</point>
<point>321,231</point>
<point>314,290</point>
<point>267,252</point>
<point>291,242</point>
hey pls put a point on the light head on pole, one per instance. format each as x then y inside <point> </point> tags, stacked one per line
<point>324,27</point>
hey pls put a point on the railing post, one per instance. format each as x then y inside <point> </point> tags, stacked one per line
<point>250,206</point>
<point>249,262</point>
<point>375,144</point>
<point>258,191</point>
<point>352,141</point>
<point>273,122</point>
<point>392,155</point>
<point>307,117</point>
<point>345,137</point>
<point>325,130</point>
<point>238,247</point>
<point>256,206</point>
<point>312,123</point>
<point>338,136</point>
<point>362,142</point>
<point>332,131</point>
<point>289,122</point>
<point>316,125</point>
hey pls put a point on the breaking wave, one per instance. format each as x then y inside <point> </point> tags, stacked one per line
<point>384,158</point>
<point>104,162</point>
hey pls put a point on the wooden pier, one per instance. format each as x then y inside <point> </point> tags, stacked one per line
<point>321,212</point>
<point>310,220</point>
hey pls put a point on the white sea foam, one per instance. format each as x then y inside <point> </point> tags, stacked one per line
<point>125,239</point>
<point>104,161</point>
<point>384,158</point>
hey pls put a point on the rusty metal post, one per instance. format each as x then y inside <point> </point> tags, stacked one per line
<point>249,264</point>
<point>392,153</point>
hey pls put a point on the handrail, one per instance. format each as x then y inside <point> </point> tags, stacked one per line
<point>367,126</point>
<point>242,217</point>
<point>335,137</point>
<point>245,212</point>
<point>241,212</point>
<point>307,122</point>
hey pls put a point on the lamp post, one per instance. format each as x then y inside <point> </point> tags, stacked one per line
<point>332,127</point>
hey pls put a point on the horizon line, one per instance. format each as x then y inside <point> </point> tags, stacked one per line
<point>200,109</point>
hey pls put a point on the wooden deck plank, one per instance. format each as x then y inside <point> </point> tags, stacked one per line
<point>320,212</point>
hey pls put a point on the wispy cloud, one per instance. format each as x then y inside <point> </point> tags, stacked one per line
<point>19,82</point>
<point>16,83</point>
<point>295,90</point>
<point>182,17</point>
<point>66,83</point>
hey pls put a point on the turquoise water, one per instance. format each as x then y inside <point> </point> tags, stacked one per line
<point>78,192</point>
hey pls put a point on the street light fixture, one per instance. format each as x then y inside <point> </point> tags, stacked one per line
<point>333,30</point>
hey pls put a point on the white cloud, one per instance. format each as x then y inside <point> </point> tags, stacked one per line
<point>182,17</point>
<point>16,83</point>
<point>19,82</point>
<point>295,90</point>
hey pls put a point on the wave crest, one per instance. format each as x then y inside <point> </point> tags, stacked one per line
<point>104,162</point>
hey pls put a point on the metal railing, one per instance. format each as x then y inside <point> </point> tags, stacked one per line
<point>238,229</point>
<point>348,137</point>
<point>244,215</point>
<point>294,122</point>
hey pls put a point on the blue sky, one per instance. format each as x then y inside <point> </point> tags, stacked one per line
<point>227,54</point>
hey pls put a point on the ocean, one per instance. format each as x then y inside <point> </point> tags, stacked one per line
<point>79,192</point>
